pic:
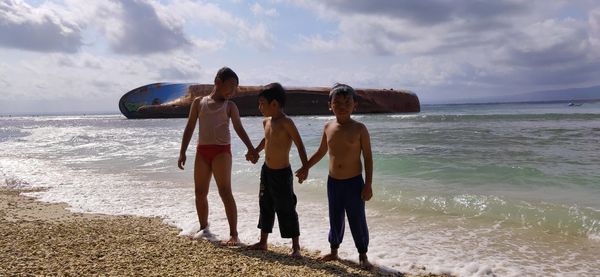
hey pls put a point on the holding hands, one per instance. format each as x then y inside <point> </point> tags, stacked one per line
<point>252,155</point>
<point>302,174</point>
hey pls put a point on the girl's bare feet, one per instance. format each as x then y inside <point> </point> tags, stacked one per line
<point>233,241</point>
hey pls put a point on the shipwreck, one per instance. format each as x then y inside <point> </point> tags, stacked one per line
<point>173,100</point>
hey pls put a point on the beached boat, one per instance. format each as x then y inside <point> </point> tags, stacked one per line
<point>173,100</point>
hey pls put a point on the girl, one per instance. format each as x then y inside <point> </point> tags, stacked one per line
<point>213,153</point>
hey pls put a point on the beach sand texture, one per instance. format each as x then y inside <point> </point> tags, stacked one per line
<point>46,239</point>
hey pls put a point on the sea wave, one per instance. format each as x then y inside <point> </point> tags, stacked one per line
<point>497,117</point>
<point>567,220</point>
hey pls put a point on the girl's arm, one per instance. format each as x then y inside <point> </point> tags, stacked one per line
<point>234,114</point>
<point>188,132</point>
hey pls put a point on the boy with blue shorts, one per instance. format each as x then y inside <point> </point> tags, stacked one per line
<point>346,140</point>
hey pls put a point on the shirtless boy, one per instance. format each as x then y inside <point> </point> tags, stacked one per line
<point>346,140</point>
<point>276,179</point>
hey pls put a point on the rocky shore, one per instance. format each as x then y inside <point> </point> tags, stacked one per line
<point>46,239</point>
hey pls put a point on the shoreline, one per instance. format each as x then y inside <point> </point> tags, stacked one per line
<point>45,238</point>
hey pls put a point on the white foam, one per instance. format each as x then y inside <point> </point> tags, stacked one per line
<point>407,116</point>
<point>130,176</point>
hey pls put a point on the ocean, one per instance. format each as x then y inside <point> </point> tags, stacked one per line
<point>471,190</point>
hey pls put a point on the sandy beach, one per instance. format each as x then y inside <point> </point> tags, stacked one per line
<point>46,239</point>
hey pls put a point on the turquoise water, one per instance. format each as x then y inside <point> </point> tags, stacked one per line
<point>473,190</point>
<point>487,161</point>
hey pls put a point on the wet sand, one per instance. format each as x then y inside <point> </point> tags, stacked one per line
<point>46,239</point>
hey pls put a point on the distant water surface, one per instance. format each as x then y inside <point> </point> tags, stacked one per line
<point>473,190</point>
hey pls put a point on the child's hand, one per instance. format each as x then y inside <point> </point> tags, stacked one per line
<point>181,161</point>
<point>366,193</point>
<point>302,174</point>
<point>252,156</point>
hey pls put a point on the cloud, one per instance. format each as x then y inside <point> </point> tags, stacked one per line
<point>259,11</point>
<point>85,75</point>
<point>230,28</point>
<point>547,43</point>
<point>134,27</point>
<point>427,12</point>
<point>594,25</point>
<point>37,29</point>
<point>491,45</point>
<point>417,27</point>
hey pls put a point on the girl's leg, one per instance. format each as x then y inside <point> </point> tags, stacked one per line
<point>202,176</point>
<point>221,166</point>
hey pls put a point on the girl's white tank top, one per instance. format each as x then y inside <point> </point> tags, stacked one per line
<point>214,124</point>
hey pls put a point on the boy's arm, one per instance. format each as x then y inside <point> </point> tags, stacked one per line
<point>234,113</point>
<point>302,173</point>
<point>365,144</point>
<point>317,156</point>
<point>254,156</point>
<point>290,127</point>
<point>261,145</point>
<point>188,132</point>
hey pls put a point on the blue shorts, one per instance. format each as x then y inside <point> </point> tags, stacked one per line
<point>344,198</point>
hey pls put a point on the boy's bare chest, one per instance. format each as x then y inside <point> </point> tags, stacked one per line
<point>275,131</point>
<point>343,138</point>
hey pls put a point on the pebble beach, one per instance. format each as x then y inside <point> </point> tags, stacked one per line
<point>46,239</point>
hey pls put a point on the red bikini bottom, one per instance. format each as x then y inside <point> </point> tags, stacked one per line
<point>209,151</point>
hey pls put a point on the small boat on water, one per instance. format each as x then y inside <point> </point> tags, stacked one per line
<point>173,100</point>
<point>571,104</point>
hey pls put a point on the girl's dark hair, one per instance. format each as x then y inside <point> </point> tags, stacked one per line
<point>225,73</point>
<point>342,89</point>
<point>274,91</point>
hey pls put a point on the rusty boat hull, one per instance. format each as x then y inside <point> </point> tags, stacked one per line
<point>173,100</point>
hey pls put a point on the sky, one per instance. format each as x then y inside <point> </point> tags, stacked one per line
<point>78,56</point>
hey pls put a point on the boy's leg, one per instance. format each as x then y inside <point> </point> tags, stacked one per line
<point>202,176</point>
<point>357,220</point>
<point>266,217</point>
<point>296,247</point>
<point>335,193</point>
<point>364,261</point>
<point>355,209</point>
<point>221,167</point>
<point>285,201</point>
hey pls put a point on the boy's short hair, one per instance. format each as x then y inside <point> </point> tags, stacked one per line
<point>226,73</point>
<point>342,89</point>
<point>274,91</point>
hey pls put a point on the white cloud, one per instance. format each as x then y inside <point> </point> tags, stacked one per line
<point>101,49</point>
<point>134,27</point>
<point>82,75</point>
<point>259,11</point>
<point>594,25</point>
<point>37,29</point>
<point>231,27</point>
